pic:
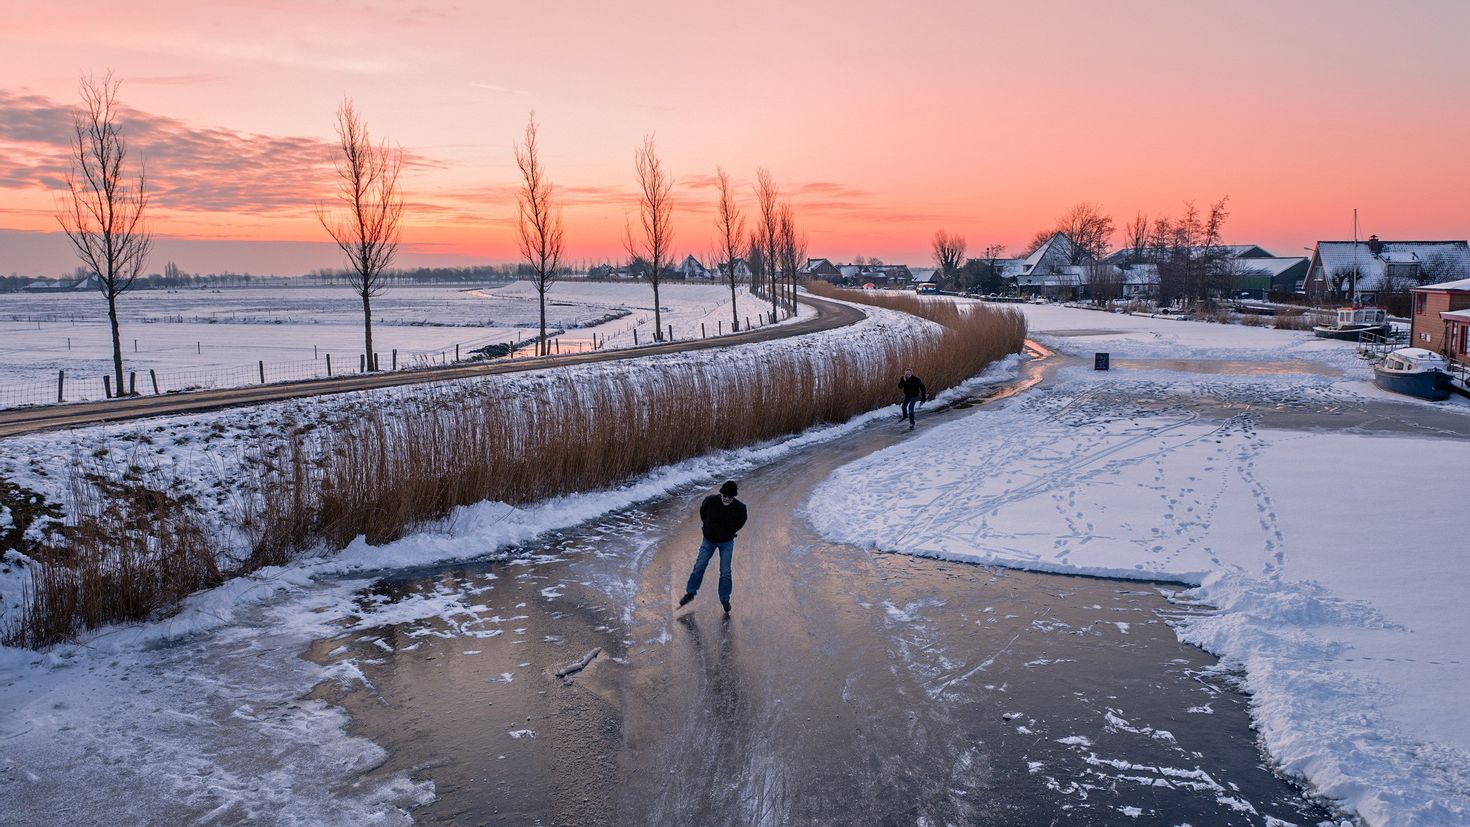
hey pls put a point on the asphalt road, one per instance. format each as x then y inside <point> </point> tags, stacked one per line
<point>26,420</point>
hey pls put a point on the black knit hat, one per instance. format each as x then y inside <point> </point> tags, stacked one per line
<point>729,489</point>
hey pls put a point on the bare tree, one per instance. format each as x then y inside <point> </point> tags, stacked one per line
<point>102,211</point>
<point>364,223</point>
<point>1041,237</point>
<point>1104,282</point>
<point>1138,235</point>
<point>791,248</point>
<point>730,221</point>
<point>755,252</point>
<point>655,208</point>
<point>1089,229</point>
<point>1437,268</point>
<point>949,252</point>
<point>540,225</point>
<point>767,197</point>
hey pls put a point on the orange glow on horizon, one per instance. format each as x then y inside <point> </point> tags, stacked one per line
<point>881,127</point>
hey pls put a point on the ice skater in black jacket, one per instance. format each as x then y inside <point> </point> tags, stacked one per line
<point>723,516</point>
<point>914,393</point>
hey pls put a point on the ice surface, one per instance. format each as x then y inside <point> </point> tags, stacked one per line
<point>1328,552</point>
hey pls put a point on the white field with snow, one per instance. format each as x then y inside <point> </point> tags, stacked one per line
<point>205,708</point>
<point>1335,557</point>
<point>206,338</point>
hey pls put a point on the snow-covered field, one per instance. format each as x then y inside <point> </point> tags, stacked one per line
<point>1261,467</point>
<point>218,338</point>
<point>214,723</point>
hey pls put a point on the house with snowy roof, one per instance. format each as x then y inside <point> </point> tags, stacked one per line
<point>1056,268</point>
<point>820,268</point>
<point>742,270</point>
<point>1129,255</point>
<point>1368,269</point>
<point>690,268</point>
<point>1440,319</point>
<point>1263,275</point>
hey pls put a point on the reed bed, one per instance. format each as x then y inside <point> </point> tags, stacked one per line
<point>129,551</point>
<point>385,470</point>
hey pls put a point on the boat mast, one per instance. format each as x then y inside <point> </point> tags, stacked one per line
<point>1353,272</point>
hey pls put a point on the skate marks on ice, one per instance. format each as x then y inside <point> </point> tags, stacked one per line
<point>493,680</point>
<point>1066,700</point>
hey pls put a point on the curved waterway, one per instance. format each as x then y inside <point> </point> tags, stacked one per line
<point>847,687</point>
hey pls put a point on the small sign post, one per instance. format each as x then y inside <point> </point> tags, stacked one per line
<point>1100,361</point>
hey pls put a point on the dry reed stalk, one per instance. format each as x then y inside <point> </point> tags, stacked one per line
<point>134,551</point>
<point>392,469</point>
<point>130,551</point>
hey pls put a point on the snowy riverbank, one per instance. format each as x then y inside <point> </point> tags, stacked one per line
<point>207,705</point>
<point>1262,467</point>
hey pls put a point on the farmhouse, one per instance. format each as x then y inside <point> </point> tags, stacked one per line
<point>692,269</point>
<point>821,268</point>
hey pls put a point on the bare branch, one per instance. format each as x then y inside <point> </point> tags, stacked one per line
<point>540,226</point>
<point>730,221</point>
<point>102,211</point>
<point>949,252</point>
<point>655,207</point>
<point>369,205</point>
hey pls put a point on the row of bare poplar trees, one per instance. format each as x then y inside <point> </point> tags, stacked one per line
<point>102,213</point>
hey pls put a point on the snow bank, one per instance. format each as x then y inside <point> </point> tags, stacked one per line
<point>206,707</point>
<point>1328,553</point>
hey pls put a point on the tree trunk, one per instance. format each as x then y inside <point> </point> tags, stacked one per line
<point>658,319</point>
<point>734,304</point>
<point>542,348</point>
<point>367,331</point>
<point>117,372</point>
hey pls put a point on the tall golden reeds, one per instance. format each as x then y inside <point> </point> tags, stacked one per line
<point>381,471</point>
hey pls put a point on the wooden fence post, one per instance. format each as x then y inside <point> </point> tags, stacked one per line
<point>635,337</point>
<point>702,334</point>
<point>107,387</point>
<point>456,352</point>
<point>262,371</point>
<point>329,366</point>
<point>395,358</point>
<point>153,375</point>
<point>132,383</point>
<point>60,386</point>
<point>671,333</point>
<point>362,363</point>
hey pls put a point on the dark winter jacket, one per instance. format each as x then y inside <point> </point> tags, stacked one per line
<point>721,521</point>
<point>912,387</point>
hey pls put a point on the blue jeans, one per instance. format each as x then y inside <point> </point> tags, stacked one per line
<point>908,408</point>
<point>707,550</point>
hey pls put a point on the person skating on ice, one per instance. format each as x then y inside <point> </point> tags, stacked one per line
<point>914,394</point>
<point>722,516</point>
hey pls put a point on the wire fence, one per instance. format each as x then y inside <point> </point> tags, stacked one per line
<point>76,386</point>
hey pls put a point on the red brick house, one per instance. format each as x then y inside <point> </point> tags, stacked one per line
<point>1441,318</point>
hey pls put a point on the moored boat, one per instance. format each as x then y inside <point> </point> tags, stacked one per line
<point>1414,371</point>
<point>1353,322</point>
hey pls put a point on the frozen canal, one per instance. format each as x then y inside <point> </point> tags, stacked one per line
<point>846,687</point>
<point>941,684</point>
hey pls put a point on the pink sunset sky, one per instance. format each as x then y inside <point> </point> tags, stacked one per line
<point>882,122</point>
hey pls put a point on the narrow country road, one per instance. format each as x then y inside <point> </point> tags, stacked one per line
<point>846,687</point>
<point>26,420</point>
